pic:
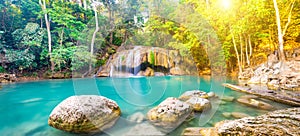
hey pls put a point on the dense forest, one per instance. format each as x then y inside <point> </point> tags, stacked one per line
<point>45,37</point>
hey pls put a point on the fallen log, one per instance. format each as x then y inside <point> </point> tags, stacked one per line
<point>289,98</point>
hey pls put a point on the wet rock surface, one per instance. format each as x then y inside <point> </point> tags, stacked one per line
<point>194,131</point>
<point>287,97</point>
<point>169,114</point>
<point>84,114</point>
<point>281,122</point>
<point>254,102</point>
<point>194,93</point>
<point>227,98</point>
<point>199,104</point>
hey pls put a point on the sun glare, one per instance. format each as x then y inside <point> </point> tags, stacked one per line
<point>226,4</point>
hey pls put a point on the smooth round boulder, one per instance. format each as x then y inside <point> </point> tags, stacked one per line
<point>84,114</point>
<point>169,114</point>
<point>194,93</point>
<point>199,104</point>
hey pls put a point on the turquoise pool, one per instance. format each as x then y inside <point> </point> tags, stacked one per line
<point>25,106</point>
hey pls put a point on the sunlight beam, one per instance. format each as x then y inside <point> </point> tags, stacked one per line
<point>226,4</point>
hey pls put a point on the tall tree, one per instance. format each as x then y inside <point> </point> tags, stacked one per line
<point>44,9</point>
<point>280,35</point>
<point>281,32</point>
<point>94,5</point>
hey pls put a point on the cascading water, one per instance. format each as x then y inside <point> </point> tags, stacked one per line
<point>148,61</point>
<point>137,61</point>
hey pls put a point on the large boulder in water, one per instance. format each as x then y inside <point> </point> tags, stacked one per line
<point>169,114</point>
<point>84,114</point>
<point>199,104</point>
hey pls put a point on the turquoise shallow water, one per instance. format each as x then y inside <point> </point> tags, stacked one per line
<point>25,107</point>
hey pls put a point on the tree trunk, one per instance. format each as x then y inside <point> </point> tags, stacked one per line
<point>61,37</point>
<point>242,54</point>
<point>280,35</point>
<point>247,54</point>
<point>289,18</point>
<point>250,46</point>
<point>207,4</point>
<point>84,5</point>
<point>236,52</point>
<point>94,36</point>
<point>111,27</point>
<point>44,8</point>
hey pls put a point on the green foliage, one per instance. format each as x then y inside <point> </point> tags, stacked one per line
<point>81,58</point>
<point>152,58</point>
<point>25,52</point>
<point>203,29</point>
<point>100,62</point>
<point>20,60</point>
<point>31,35</point>
<point>2,70</point>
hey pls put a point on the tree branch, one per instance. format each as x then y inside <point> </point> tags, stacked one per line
<point>289,19</point>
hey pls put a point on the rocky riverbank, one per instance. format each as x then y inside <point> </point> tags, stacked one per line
<point>277,75</point>
<point>7,78</point>
<point>280,122</point>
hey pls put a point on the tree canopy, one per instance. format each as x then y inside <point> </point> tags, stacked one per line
<point>233,34</point>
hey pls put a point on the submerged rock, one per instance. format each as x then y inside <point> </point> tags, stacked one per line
<point>255,103</point>
<point>169,114</point>
<point>194,93</point>
<point>226,114</point>
<point>239,115</point>
<point>227,98</point>
<point>84,114</point>
<point>137,117</point>
<point>199,104</point>
<point>144,129</point>
<point>194,131</point>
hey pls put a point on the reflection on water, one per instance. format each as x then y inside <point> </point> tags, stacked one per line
<point>25,107</point>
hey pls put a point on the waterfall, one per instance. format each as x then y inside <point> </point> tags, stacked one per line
<point>139,61</point>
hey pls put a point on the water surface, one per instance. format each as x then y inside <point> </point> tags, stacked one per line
<point>25,107</point>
